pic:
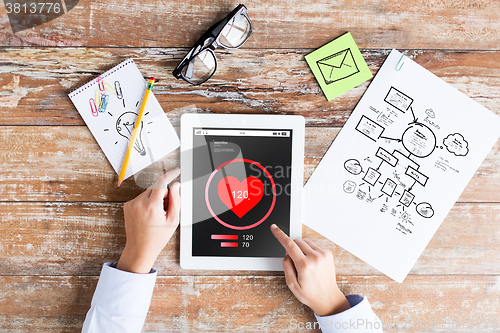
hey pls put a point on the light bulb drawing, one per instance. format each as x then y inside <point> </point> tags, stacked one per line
<point>125,126</point>
<point>126,121</point>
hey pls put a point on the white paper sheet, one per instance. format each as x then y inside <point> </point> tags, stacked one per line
<point>398,165</point>
<point>109,105</point>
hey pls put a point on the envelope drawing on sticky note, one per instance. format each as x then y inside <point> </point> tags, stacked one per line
<point>337,66</point>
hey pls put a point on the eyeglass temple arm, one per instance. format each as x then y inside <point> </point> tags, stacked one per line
<point>186,60</point>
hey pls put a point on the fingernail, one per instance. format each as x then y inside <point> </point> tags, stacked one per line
<point>274,226</point>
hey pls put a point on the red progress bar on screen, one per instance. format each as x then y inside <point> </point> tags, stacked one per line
<point>230,237</point>
<point>229,244</point>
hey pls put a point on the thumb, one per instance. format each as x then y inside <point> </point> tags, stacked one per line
<point>174,204</point>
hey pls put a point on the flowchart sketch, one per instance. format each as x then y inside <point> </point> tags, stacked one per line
<point>401,161</point>
<point>389,187</point>
<point>386,157</point>
<point>398,99</point>
<point>407,198</point>
<point>371,176</point>
<point>418,176</point>
<point>369,128</point>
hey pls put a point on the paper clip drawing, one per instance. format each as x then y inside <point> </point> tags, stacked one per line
<point>109,88</point>
<point>97,98</point>
<point>104,103</point>
<point>118,90</point>
<point>101,97</point>
<point>100,84</point>
<point>119,93</point>
<point>337,66</point>
<point>93,107</point>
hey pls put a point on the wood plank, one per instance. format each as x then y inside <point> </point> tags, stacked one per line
<point>64,163</point>
<point>40,163</point>
<point>375,24</point>
<point>77,238</point>
<point>253,304</point>
<point>262,81</point>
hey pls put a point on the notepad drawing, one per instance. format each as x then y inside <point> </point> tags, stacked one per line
<point>110,104</point>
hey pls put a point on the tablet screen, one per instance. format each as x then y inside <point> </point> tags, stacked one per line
<point>241,185</point>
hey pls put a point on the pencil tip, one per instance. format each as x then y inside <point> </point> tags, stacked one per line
<point>119,183</point>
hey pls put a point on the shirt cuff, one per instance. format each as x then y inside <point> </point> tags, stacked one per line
<point>134,291</point>
<point>359,318</point>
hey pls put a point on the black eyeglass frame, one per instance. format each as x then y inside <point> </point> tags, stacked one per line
<point>209,42</point>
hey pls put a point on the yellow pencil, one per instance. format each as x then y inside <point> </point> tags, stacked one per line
<point>149,87</point>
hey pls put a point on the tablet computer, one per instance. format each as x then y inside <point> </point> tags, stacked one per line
<point>239,175</point>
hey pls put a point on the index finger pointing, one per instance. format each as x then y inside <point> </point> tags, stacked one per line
<point>292,249</point>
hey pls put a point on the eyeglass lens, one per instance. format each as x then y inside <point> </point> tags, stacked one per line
<point>233,35</point>
<point>200,68</point>
<point>235,32</point>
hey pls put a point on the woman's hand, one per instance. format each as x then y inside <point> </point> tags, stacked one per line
<point>150,221</point>
<point>310,275</point>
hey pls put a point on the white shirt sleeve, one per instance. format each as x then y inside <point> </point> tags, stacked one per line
<point>121,301</point>
<point>359,318</point>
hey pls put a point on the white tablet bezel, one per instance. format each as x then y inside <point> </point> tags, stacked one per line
<point>191,121</point>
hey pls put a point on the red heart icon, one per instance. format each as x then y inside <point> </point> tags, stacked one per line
<point>242,196</point>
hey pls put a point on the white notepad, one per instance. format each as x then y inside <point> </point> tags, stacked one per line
<point>109,105</point>
<point>397,167</point>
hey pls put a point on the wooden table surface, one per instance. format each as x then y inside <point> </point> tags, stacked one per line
<point>61,213</point>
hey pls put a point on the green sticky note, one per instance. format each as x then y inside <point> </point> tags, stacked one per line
<point>338,66</point>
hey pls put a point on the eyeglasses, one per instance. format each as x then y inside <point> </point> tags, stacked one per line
<point>200,63</point>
